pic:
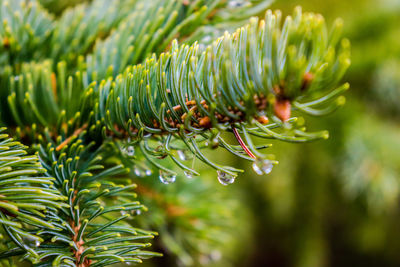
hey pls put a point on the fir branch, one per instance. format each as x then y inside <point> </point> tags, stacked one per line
<point>253,75</point>
<point>26,196</point>
<point>93,230</point>
<point>25,27</point>
<point>79,27</point>
<point>249,80</point>
<point>151,28</point>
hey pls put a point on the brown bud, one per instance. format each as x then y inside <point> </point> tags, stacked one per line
<point>262,119</point>
<point>282,109</point>
<point>307,79</point>
<point>205,122</point>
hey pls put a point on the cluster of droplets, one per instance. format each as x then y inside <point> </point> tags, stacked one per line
<point>141,172</point>
<point>262,166</point>
<point>132,212</point>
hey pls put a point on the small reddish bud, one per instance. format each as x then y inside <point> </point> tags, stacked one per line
<point>307,79</point>
<point>263,119</point>
<point>282,109</point>
<point>205,122</point>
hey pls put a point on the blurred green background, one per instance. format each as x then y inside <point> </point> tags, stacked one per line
<point>328,203</point>
<point>336,202</point>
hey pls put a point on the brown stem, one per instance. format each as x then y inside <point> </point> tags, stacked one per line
<point>79,243</point>
<point>75,134</point>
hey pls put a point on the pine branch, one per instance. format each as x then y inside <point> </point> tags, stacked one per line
<point>138,93</point>
<point>79,27</point>
<point>26,196</point>
<point>246,82</point>
<point>24,30</point>
<point>93,231</point>
<point>151,28</point>
<point>240,82</point>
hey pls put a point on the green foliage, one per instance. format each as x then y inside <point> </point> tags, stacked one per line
<point>92,230</point>
<point>27,194</point>
<point>58,7</point>
<point>196,93</point>
<point>105,83</point>
<point>79,27</point>
<point>301,70</point>
<point>24,31</point>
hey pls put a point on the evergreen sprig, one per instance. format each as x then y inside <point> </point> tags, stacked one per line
<point>90,228</point>
<point>27,194</point>
<point>25,28</point>
<point>237,84</point>
<point>124,87</point>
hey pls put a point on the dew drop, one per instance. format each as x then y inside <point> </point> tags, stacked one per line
<point>148,172</point>
<point>130,151</point>
<point>182,155</point>
<point>138,212</point>
<point>236,3</point>
<point>138,172</point>
<point>189,174</point>
<point>167,177</point>
<point>257,169</point>
<point>123,212</point>
<point>262,166</point>
<point>225,178</point>
<point>37,243</point>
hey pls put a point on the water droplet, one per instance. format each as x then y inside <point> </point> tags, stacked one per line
<point>138,172</point>
<point>130,151</point>
<point>236,3</point>
<point>148,172</point>
<point>138,212</point>
<point>167,177</point>
<point>123,212</point>
<point>189,174</point>
<point>37,243</point>
<point>262,166</point>
<point>225,178</point>
<point>182,155</point>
